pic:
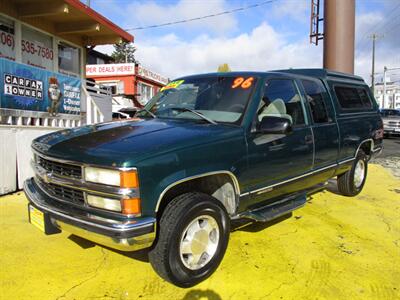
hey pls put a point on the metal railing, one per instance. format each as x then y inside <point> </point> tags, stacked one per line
<point>18,117</point>
<point>98,102</point>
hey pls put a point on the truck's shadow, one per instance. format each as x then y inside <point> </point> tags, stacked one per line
<point>142,255</point>
<point>202,294</point>
<point>332,186</point>
<point>251,226</point>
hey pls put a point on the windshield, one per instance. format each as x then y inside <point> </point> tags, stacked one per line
<point>390,112</point>
<point>208,99</point>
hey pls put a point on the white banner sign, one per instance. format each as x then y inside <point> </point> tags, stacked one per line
<point>151,75</point>
<point>110,69</point>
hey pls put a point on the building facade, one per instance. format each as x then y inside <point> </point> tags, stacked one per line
<point>131,84</point>
<point>43,53</point>
<point>43,87</point>
<point>392,97</point>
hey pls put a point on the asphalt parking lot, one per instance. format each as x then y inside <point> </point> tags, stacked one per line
<point>390,156</point>
<point>333,248</point>
<point>391,147</point>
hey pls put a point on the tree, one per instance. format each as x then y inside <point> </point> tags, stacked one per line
<point>124,53</point>
<point>224,68</point>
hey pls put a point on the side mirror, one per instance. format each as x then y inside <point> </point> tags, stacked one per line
<point>275,125</point>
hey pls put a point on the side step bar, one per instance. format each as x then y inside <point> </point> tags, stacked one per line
<point>275,209</point>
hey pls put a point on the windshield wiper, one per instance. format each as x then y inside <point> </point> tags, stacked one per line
<point>148,111</point>
<point>199,114</point>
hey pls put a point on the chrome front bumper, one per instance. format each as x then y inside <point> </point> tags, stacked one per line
<point>124,235</point>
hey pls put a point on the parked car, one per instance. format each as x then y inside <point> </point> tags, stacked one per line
<point>118,115</point>
<point>206,150</point>
<point>391,121</point>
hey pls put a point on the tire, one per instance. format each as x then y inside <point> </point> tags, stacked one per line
<point>176,251</point>
<point>352,182</point>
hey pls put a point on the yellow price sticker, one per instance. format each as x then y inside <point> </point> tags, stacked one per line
<point>172,85</point>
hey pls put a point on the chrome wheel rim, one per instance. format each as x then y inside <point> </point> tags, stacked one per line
<point>359,173</point>
<point>199,242</point>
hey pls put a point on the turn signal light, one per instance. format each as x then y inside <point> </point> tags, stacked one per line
<point>131,206</point>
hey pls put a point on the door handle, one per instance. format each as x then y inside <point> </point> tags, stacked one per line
<point>308,139</point>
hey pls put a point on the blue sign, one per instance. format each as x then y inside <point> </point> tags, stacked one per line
<point>30,88</point>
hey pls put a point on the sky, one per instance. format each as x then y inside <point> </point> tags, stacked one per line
<point>268,37</point>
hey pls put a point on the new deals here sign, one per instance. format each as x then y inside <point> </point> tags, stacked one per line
<point>30,88</point>
<point>110,69</point>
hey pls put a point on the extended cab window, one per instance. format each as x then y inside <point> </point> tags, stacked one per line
<point>353,98</point>
<point>281,99</point>
<point>314,93</point>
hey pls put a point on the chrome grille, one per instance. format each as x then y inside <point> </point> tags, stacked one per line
<point>394,124</point>
<point>63,193</point>
<point>61,169</point>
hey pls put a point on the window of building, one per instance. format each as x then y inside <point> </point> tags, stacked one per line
<point>100,61</point>
<point>146,93</point>
<point>314,92</point>
<point>281,99</point>
<point>352,98</point>
<point>7,38</point>
<point>37,48</point>
<point>68,59</point>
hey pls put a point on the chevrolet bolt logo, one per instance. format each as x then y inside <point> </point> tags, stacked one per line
<point>46,177</point>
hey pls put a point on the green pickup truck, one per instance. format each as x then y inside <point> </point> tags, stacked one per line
<point>206,150</point>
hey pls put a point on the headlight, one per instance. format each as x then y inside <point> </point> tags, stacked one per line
<point>125,179</point>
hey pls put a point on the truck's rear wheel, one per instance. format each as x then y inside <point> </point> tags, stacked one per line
<point>352,182</point>
<point>192,239</point>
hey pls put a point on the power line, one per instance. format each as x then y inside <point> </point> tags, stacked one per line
<point>204,17</point>
<point>395,25</point>
<point>377,28</point>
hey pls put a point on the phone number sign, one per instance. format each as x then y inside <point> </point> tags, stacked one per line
<point>37,54</point>
<point>7,45</point>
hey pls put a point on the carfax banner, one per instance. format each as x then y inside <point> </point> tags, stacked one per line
<point>29,88</point>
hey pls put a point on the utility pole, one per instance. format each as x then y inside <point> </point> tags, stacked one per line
<point>384,85</point>
<point>373,64</point>
<point>374,37</point>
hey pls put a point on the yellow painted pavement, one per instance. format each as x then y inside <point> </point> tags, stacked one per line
<point>333,248</point>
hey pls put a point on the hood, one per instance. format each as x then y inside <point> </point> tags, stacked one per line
<point>125,143</point>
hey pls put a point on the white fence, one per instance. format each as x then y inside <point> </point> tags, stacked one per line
<point>16,154</point>
<point>18,128</point>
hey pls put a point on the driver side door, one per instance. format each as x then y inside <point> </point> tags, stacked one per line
<point>277,158</point>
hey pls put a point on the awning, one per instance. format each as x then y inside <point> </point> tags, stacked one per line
<point>68,19</point>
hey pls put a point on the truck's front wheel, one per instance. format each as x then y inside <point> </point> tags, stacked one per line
<point>192,239</point>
